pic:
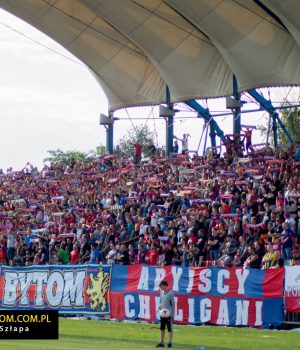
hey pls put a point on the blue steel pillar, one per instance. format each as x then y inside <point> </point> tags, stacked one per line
<point>212,135</point>
<point>169,124</point>
<point>205,141</point>
<point>269,127</point>
<point>274,127</point>
<point>110,138</point>
<point>237,111</point>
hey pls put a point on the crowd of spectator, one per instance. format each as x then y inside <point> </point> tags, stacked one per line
<point>234,209</point>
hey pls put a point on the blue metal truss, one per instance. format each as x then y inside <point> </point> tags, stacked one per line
<point>267,106</point>
<point>215,130</point>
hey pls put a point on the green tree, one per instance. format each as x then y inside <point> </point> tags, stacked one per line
<point>141,134</point>
<point>291,120</point>
<point>99,151</point>
<point>60,156</point>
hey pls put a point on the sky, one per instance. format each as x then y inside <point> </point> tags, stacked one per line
<point>50,100</point>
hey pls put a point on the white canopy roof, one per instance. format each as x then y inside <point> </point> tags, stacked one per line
<point>137,47</point>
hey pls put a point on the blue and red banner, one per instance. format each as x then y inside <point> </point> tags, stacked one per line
<point>68,288</point>
<point>234,296</point>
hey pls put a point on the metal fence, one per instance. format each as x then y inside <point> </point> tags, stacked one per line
<point>292,318</point>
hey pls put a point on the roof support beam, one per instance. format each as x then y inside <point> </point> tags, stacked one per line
<point>237,110</point>
<point>270,13</point>
<point>274,127</point>
<point>267,106</point>
<point>110,138</point>
<point>205,114</point>
<point>212,135</point>
<point>169,124</point>
<point>268,131</point>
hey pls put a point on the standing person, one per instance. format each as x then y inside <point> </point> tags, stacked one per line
<point>252,259</point>
<point>214,246</point>
<point>152,149</point>
<point>62,255</point>
<point>95,255</point>
<point>184,143</point>
<point>137,152</point>
<point>167,301</point>
<point>175,147</point>
<point>117,151</point>
<point>74,255</point>
<point>269,259</point>
<point>3,250</point>
<point>122,256</point>
<point>11,235</point>
<point>287,240</point>
<point>248,136</point>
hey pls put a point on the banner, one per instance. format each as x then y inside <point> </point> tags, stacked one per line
<point>71,289</point>
<point>292,289</point>
<point>235,296</point>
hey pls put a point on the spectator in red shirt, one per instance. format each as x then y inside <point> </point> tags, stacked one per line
<point>3,248</point>
<point>75,254</point>
<point>153,256</point>
<point>137,152</point>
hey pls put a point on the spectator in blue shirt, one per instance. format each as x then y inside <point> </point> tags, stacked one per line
<point>287,239</point>
<point>95,255</point>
